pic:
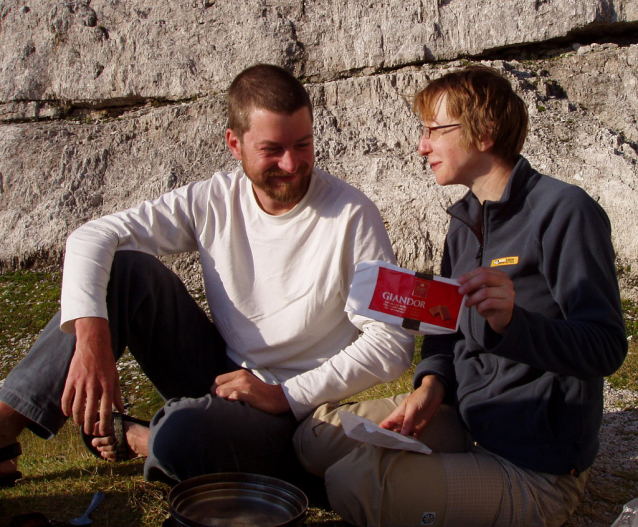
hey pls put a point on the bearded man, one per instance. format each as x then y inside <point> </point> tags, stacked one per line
<point>278,241</point>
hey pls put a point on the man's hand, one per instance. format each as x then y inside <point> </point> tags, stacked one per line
<point>93,383</point>
<point>241,385</point>
<point>416,410</point>
<point>492,293</point>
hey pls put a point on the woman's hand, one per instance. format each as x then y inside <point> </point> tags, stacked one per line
<point>492,293</point>
<point>416,410</point>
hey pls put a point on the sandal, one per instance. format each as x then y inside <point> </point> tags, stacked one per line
<point>7,453</point>
<point>123,451</point>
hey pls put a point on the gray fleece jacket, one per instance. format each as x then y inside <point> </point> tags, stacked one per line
<point>535,394</point>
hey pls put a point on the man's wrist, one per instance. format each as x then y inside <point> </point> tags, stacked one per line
<point>283,405</point>
<point>92,333</point>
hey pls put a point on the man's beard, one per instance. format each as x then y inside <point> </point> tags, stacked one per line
<point>283,192</point>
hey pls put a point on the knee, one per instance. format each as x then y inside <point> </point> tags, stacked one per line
<point>127,262</point>
<point>352,489</point>
<point>190,437</point>
<point>173,439</point>
<point>320,440</point>
<point>185,434</point>
<point>309,448</point>
<point>137,277</point>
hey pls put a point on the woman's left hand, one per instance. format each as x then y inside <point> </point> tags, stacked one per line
<point>416,410</point>
<point>492,293</point>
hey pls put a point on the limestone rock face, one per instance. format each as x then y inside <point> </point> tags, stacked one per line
<point>96,51</point>
<point>106,103</point>
<point>604,81</point>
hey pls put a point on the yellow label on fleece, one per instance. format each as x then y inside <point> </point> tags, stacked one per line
<point>509,260</point>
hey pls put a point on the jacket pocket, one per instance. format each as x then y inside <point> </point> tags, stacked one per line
<point>547,395</point>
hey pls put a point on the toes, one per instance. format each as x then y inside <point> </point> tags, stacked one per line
<point>103,442</point>
<point>106,446</point>
<point>109,455</point>
<point>9,466</point>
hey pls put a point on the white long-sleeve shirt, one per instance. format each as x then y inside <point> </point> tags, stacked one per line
<point>276,285</point>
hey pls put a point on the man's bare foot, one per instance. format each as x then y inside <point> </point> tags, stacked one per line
<point>136,438</point>
<point>9,451</point>
<point>8,467</point>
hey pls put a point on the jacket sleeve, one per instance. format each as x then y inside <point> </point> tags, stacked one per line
<point>579,266</point>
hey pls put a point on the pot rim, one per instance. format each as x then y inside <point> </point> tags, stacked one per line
<point>253,484</point>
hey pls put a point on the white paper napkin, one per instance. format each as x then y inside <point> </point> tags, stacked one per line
<point>368,431</point>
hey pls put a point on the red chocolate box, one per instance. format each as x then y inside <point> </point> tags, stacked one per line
<point>419,302</point>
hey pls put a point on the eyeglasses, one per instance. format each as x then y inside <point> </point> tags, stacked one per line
<point>427,130</point>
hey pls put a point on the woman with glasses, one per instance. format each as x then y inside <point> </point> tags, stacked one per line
<point>512,403</point>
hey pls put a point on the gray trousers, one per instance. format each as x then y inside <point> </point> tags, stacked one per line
<point>181,352</point>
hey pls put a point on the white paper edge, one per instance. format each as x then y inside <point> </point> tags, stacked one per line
<point>350,421</point>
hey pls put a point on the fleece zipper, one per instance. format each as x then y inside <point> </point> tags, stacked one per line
<point>479,261</point>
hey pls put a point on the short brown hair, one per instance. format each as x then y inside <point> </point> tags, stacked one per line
<point>484,103</point>
<point>264,87</point>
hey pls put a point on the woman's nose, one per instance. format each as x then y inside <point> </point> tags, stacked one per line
<point>425,146</point>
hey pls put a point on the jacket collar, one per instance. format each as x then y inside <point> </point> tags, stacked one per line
<point>522,179</point>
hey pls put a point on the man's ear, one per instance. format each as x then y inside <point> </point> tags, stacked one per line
<point>234,144</point>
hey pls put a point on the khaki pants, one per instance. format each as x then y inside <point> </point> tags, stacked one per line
<point>458,485</point>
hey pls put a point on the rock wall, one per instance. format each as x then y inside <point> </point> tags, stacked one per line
<point>106,103</point>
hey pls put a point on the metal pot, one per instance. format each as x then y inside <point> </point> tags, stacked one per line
<point>236,500</point>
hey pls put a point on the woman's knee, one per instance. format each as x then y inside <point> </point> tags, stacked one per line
<point>320,440</point>
<point>315,440</point>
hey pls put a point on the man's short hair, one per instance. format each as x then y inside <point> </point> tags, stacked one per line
<point>264,87</point>
<point>484,103</point>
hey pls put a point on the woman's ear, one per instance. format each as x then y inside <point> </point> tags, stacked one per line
<point>485,144</point>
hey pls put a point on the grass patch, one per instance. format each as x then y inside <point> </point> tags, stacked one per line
<point>630,314</point>
<point>28,300</point>
<point>627,376</point>
<point>61,478</point>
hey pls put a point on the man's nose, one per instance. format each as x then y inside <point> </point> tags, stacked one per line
<point>289,162</point>
<point>425,146</point>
